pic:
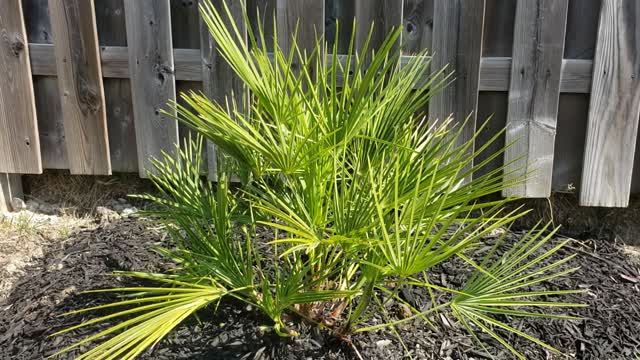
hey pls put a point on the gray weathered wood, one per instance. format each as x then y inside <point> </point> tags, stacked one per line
<point>152,78</point>
<point>457,44</point>
<point>110,21</point>
<point>383,15</point>
<point>219,82</point>
<point>305,18</point>
<point>538,46</point>
<point>494,71</point>
<point>19,142</point>
<point>80,85</point>
<point>10,187</point>
<point>49,112</point>
<point>417,21</point>
<point>614,107</point>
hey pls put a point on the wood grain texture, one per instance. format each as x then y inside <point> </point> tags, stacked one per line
<point>457,44</point>
<point>219,82</point>
<point>49,112</point>
<point>110,22</point>
<point>305,19</point>
<point>532,115</point>
<point>152,78</point>
<point>494,71</point>
<point>80,86</point>
<point>19,142</point>
<point>383,15</point>
<point>10,187</point>
<point>614,107</point>
<point>417,30</point>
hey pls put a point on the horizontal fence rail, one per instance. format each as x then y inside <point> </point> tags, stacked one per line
<point>86,82</point>
<point>495,72</point>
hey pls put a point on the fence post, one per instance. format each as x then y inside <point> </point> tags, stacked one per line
<point>10,188</point>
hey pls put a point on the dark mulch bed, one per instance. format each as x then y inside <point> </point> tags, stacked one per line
<point>609,329</point>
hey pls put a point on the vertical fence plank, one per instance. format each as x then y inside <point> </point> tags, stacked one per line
<point>457,42</point>
<point>48,110</point>
<point>218,79</point>
<point>185,30</point>
<point>417,32</point>
<point>614,107</point>
<point>534,93</point>
<point>305,15</point>
<point>80,85</point>
<point>152,78</point>
<point>19,142</point>
<point>110,21</point>
<point>384,15</point>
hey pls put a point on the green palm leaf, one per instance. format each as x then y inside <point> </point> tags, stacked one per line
<point>505,287</point>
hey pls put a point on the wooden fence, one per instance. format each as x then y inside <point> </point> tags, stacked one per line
<point>83,81</point>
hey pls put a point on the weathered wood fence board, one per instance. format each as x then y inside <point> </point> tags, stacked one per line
<point>49,111</point>
<point>110,18</point>
<point>19,142</point>
<point>383,15</point>
<point>457,36</point>
<point>80,86</point>
<point>614,108</point>
<point>538,45</point>
<point>150,50</point>
<point>417,23</point>
<point>152,78</point>
<point>219,82</point>
<point>304,16</point>
<point>494,71</point>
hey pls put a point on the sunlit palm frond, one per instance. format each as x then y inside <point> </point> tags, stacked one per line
<point>507,287</point>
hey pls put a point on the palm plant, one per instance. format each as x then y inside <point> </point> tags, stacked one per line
<point>355,189</point>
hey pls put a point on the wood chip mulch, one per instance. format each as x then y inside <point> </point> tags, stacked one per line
<point>610,328</point>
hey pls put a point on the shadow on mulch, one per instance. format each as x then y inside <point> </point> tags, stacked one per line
<point>52,286</point>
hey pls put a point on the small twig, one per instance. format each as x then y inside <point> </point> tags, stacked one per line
<point>356,350</point>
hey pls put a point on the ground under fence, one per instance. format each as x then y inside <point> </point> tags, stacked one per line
<point>83,81</point>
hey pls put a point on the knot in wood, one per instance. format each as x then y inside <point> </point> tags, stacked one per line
<point>162,70</point>
<point>89,99</point>
<point>17,45</point>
